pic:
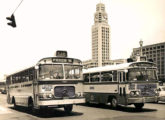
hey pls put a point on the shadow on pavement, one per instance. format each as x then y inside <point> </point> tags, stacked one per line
<point>161,103</point>
<point>49,113</point>
<point>121,108</point>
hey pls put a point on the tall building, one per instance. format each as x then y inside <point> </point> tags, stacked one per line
<point>156,52</point>
<point>100,40</point>
<point>100,36</point>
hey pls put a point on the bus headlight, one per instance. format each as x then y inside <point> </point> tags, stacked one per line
<point>134,93</point>
<point>137,93</point>
<point>45,96</point>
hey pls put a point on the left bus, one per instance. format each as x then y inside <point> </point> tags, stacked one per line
<point>53,82</point>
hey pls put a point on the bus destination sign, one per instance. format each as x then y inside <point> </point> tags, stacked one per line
<point>62,60</point>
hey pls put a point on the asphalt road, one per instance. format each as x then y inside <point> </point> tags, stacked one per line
<point>151,111</point>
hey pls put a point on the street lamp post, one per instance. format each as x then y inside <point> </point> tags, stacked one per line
<point>141,46</point>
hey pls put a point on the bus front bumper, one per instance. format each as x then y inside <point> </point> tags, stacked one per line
<point>142,100</point>
<point>61,102</point>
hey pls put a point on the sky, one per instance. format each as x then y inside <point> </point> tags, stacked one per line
<point>44,26</point>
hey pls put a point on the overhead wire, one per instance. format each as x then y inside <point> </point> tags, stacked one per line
<point>17,6</point>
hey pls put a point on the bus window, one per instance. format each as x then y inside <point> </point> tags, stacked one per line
<point>23,76</point>
<point>51,71</point>
<point>95,77</point>
<point>72,71</point>
<point>123,76</point>
<point>31,74</point>
<point>120,76</point>
<point>16,79</point>
<point>19,78</point>
<point>13,79</point>
<point>141,74</point>
<point>86,78</point>
<point>106,76</point>
<point>114,75</point>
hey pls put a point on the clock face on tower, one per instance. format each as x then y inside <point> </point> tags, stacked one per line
<point>105,17</point>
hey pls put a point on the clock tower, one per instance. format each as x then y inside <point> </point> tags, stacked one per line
<point>100,37</point>
<point>100,16</point>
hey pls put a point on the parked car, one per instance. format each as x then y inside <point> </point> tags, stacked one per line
<point>3,90</point>
<point>161,93</point>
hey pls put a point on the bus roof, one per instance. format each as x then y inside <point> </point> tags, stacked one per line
<point>49,60</point>
<point>21,70</point>
<point>112,67</point>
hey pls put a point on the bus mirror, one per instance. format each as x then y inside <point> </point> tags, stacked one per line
<point>36,67</point>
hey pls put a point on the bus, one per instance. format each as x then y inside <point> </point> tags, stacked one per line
<point>53,82</point>
<point>122,84</point>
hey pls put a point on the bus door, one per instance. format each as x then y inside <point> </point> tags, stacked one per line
<point>35,88</point>
<point>121,87</point>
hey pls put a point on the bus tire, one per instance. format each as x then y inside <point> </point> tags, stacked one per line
<point>114,103</point>
<point>139,106</point>
<point>31,106</point>
<point>14,102</point>
<point>68,108</point>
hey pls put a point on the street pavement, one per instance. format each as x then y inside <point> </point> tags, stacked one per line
<point>151,111</point>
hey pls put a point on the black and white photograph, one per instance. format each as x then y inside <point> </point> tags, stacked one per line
<point>82,59</point>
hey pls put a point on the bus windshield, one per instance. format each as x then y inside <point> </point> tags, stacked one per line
<point>51,71</point>
<point>55,71</point>
<point>142,74</point>
<point>73,71</point>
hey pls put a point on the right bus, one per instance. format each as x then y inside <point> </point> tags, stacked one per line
<point>123,84</point>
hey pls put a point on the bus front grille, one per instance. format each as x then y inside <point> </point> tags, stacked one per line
<point>147,89</point>
<point>64,91</point>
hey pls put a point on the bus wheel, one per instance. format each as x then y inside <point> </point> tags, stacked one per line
<point>31,108</point>
<point>68,108</point>
<point>114,103</point>
<point>15,105</point>
<point>139,106</point>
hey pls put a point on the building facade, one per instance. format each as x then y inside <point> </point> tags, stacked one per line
<point>156,52</point>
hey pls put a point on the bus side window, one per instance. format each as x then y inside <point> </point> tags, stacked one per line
<point>124,76</point>
<point>23,76</point>
<point>127,76</point>
<point>31,74</point>
<point>19,78</point>
<point>27,75</point>
<point>106,76</point>
<point>95,77</point>
<point>16,79</point>
<point>86,78</point>
<point>120,76</point>
<point>114,75</point>
<point>13,79</point>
